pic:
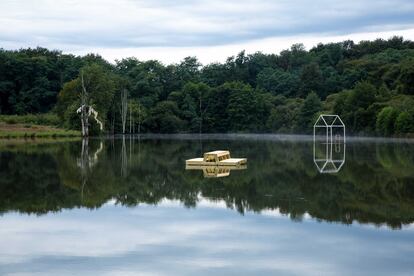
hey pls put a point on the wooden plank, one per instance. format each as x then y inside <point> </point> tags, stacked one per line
<point>202,167</point>
<point>233,162</point>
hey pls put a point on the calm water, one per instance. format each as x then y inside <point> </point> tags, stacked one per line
<point>122,207</point>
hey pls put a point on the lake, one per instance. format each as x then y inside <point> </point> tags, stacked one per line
<point>129,206</point>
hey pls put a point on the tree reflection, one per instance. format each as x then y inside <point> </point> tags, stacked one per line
<point>376,185</point>
<point>86,162</point>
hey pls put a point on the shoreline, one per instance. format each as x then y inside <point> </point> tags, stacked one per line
<point>206,136</point>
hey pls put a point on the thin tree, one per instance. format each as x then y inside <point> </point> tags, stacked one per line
<point>139,118</point>
<point>124,108</point>
<point>201,110</point>
<point>84,109</point>
<point>130,121</point>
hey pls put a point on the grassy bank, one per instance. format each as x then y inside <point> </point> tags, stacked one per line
<point>34,131</point>
<point>47,119</point>
<point>33,125</point>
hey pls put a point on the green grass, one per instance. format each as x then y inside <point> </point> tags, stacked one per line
<point>47,119</point>
<point>33,126</point>
<point>39,134</point>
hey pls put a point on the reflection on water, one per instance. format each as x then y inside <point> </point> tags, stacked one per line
<point>217,170</point>
<point>329,157</point>
<point>116,207</point>
<point>376,186</point>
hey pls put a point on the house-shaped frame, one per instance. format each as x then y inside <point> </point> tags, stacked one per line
<point>329,143</point>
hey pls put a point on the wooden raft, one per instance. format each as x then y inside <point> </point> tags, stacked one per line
<point>216,158</point>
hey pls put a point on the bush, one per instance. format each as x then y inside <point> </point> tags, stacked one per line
<point>404,123</point>
<point>386,121</point>
<point>10,121</point>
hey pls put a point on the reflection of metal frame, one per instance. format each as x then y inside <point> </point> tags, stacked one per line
<point>215,171</point>
<point>332,145</point>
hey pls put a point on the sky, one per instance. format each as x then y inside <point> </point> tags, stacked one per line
<point>212,30</point>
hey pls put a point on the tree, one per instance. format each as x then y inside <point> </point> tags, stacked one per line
<point>124,108</point>
<point>84,108</point>
<point>357,107</point>
<point>278,82</point>
<point>188,70</point>
<point>404,123</point>
<point>406,78</point>
<point>386,121</point>
<point>241,106</point>
<point>311,80</point>
<point>137,115</point>
<point>93,91</point>
<point>164,118</point>
<point>194,103</point>
<point>310,107</point>
<point>283,117</point>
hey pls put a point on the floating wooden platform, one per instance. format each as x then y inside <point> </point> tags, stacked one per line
<point>216,158</point>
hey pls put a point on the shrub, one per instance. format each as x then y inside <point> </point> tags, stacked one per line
<point>404,123</point>
<point>386,121</point>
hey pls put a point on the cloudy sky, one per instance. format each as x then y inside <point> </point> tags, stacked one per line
<point>169,30</point>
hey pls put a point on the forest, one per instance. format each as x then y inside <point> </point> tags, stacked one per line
<point>370,84</point>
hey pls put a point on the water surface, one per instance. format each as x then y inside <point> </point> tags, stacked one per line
<point>122,207</point>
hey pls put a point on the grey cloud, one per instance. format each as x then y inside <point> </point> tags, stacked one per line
<point>164,23</point>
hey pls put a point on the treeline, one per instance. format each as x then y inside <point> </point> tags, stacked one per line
<point>369,84</point>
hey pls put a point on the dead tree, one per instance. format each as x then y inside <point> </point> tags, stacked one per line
<point>201,111</point>
<point>130,121</point>
<point>139,118</point>
<point>124,109</point>
<point>84,109</point>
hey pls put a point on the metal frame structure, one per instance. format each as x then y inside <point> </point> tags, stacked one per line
<point>329,164</point>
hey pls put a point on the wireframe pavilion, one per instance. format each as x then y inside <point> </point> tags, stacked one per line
<point>329,143</point>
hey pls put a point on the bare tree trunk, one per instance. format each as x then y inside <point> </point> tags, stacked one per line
<point>84,107</point>
<point>87,122</point>
<point>130,122</point>
<point>201,114</point>
<point>139,118</point>
<point>113,125</point>
<point>82,122</point>
<point>124,109</point>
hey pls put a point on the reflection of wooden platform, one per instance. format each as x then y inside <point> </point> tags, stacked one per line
<point>215,170</point>
<point>216,158</point>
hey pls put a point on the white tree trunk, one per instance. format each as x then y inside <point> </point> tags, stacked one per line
<point>139,118</point>
<point>130,122</point>
<point>84,107</point>
<point>124,109</point>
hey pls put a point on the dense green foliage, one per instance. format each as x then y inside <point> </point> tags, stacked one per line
<point>369,84</point>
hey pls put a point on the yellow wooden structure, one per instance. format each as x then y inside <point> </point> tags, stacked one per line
<point>216,158</point>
